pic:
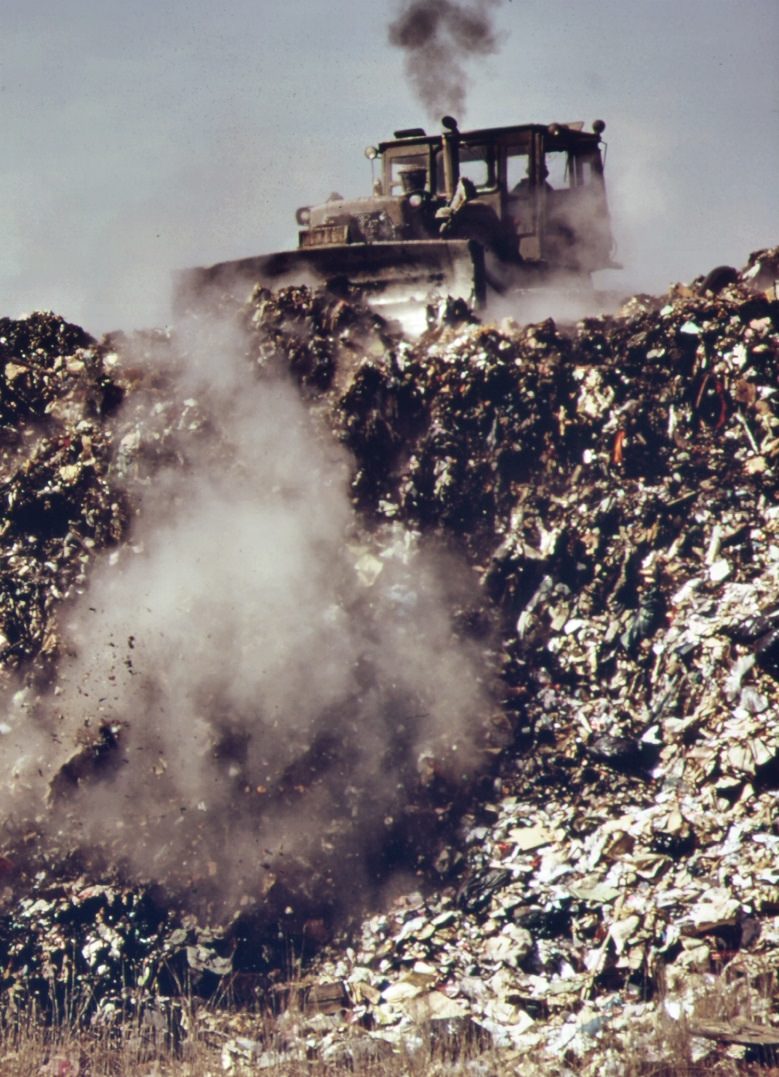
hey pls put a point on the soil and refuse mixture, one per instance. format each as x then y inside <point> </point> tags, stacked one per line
<point>415,687</point>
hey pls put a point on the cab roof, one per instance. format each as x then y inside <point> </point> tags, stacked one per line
<point>556,136</point>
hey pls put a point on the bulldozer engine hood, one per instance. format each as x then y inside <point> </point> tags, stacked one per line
<point>380,218</point>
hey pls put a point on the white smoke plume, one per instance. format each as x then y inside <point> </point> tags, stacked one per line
<point>266,686</point>
<point>438,38</point>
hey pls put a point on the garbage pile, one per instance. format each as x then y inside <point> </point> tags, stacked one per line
<point>612,486</point>
<point>245,793</point>
<point>58,506</point>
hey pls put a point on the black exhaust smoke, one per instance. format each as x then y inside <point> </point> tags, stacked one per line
<point>438,37</point>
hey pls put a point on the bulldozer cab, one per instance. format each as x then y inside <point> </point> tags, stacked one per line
<point>533,193</point>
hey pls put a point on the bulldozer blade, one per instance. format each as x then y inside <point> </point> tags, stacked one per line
<point>392,278</point>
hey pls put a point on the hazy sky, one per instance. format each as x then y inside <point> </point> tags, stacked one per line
<point>139,137</point>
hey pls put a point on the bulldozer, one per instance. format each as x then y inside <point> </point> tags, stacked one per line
<point>457,214</point>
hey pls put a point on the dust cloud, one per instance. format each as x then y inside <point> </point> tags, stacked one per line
<point>566,305</point>
<point>252,684</point>
<point>438,38</point>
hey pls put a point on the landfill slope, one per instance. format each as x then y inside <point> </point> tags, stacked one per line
<point>605,496</point>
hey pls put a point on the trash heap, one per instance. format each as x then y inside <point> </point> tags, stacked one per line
<point>58,506</point>
<point>71,878</point>
<point>613,483</point>
<point>612,877</point>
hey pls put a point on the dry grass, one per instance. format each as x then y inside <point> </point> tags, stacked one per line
<point>186,1037</point>
<point>704,1025</point>
<point>189,1044</point>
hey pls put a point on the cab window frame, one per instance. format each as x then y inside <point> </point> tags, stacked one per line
<point>477,152</point>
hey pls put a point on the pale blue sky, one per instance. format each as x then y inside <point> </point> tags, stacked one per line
<point>141,137</point>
